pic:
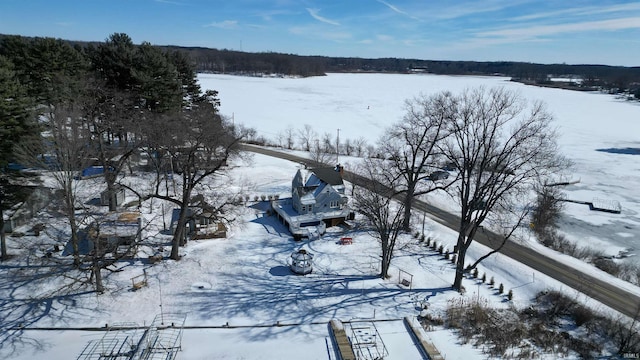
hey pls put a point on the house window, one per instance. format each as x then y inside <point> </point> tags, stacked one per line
<point>333,204</point>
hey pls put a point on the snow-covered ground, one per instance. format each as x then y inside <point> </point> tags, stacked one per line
<point>240,286</point>
<point>598,132</point>
<point>240,299</point>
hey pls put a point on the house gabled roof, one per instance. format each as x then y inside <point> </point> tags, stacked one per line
<point>329,175</point>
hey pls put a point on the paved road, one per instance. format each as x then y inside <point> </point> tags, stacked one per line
<point>611,295</point>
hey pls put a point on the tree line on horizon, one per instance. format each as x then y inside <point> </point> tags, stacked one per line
<point>618,78</point>
<point>594,76</point>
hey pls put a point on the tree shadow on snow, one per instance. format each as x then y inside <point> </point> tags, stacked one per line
<point>304,300</point>
<point>32,293</point>
<point>272,225</point>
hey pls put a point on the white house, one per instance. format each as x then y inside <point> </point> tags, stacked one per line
<point>317,200</point>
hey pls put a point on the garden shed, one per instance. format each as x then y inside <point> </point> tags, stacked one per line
<point>118,195</point>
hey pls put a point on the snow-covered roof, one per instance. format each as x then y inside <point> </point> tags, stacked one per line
<point>308,199</point>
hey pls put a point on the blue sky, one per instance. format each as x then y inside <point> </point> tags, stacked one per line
<point>552,31</point>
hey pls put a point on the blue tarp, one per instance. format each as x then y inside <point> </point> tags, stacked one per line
<point>92,171</point>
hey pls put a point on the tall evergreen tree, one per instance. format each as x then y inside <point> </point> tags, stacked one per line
<point>43,64</point>
<point>156,80</point>
<point>131,83</point>
<point>16,122</point>
<point>186,74</point>
<point>143,70</point>
<point>114,60</point>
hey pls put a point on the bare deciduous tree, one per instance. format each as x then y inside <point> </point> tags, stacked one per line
<point>198,144</point>
<point>63,149</point>
<point>328,143</point>
<point>347,147</point>
<point>501,148</point>
<point>289,137</point>
<point>359,146</point>
<point>411,146</point>
<point>307,136</point>
<point>323,150</point>
<point>375,201</point>
<point>112,117</point>
<point>71,140</point>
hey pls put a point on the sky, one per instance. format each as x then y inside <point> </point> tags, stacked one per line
<point>573,32</point>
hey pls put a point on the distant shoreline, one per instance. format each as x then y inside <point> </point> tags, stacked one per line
<point>556,85</point>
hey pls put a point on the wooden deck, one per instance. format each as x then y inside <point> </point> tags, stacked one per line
<point>341,339</point>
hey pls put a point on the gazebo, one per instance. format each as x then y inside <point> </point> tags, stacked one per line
<point>301,262</point>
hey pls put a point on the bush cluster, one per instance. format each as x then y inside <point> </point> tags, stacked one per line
<point>553,324</point>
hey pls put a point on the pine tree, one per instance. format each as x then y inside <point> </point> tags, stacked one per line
<point>156,80</point>
<point>113,60</point>
<point>42,65</point>
<point>15,124</point>
<point>186,74</point>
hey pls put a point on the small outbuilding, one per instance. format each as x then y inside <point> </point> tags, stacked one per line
<point>301,262</point>
<point>118,196</point>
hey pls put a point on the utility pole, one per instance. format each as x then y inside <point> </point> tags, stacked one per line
<point>338,148</point>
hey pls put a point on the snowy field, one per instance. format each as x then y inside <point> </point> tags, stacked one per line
<point>242,288</point>
<point>238,295</point>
